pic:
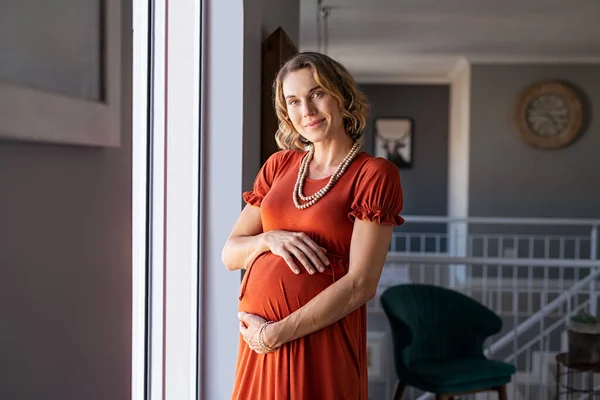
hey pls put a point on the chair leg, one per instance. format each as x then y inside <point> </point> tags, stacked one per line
<point>502,393</point>
<point>399,390</point>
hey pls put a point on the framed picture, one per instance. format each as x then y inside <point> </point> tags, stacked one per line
<point>376,355</point>
<point>60,82</point>
<point>394,140</point>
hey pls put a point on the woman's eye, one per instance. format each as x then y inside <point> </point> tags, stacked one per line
<point>317,94</point>
<point>293,102</point>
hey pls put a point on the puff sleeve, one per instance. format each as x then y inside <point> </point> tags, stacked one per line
<point>264,180</point>
<point>378,193</point>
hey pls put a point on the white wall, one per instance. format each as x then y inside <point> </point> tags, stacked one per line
<point>223,127</point>
<point>65,265</point>
<point>232,134</point>
<point>458,158</point>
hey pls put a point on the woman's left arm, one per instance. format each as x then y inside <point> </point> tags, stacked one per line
<point>368,250</point>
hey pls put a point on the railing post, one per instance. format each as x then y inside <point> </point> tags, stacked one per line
<point>457,247</point>
<point>454,252</point>
<point>594,242</point>
<point>593,256</point>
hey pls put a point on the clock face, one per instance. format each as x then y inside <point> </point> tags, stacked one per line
<point>548,115</point>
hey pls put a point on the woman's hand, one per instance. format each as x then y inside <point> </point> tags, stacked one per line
<point>287,244</point>
<point>249,328</point>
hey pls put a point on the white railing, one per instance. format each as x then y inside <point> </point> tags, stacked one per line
<point>493,237</point>
<point>534,273</point>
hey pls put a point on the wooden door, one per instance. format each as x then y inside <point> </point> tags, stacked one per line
<point>277,49</point>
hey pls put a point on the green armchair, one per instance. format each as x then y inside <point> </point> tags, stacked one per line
<point>438,336</point>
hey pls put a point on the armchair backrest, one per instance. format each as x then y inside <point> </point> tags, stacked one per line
<point>431,322</point>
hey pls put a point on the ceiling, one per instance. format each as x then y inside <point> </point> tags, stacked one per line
<point>426,40</point>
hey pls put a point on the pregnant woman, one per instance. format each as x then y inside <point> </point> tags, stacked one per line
<point>313,239</point>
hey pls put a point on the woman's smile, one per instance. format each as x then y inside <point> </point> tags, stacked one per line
<point>315,124</point>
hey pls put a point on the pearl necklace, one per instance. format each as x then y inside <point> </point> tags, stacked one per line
<point>303,172</point>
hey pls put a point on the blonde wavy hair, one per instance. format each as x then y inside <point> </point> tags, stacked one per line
<point>335,79</point>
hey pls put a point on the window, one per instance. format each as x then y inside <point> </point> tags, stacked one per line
<point>166,191</point>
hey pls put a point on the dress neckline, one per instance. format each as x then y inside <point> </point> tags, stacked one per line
<point>325,179</point>
<point>318,180</point>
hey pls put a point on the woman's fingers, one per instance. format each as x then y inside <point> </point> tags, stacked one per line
<point>249,326</point>
<point>299,252</point>
<point>307,257</point>
<point>322,255</point>
<point>289,260</point>
<point>316,250</point>
<point>290,245</point>
<point>312,256</point>
<point>318,254</point>
<point>299,255</point>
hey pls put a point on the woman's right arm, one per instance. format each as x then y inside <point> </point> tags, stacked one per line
<point>247,241</point>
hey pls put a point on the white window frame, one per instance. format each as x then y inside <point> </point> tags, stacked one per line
<point>188,285</point>
<point>166,174</point>
<point>140,134</point>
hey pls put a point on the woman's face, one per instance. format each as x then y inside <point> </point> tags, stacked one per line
<point>314,113</point>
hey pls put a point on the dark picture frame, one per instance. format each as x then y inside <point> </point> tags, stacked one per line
<point>394,140</point>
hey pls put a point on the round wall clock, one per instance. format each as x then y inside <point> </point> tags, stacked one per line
<point>548,115</point>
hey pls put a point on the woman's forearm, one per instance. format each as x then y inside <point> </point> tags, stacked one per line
<point>240,251</point>
<point>329,306</point>
<point>370,243</point>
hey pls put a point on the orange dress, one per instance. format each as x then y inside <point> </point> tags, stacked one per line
<point>330,364</point>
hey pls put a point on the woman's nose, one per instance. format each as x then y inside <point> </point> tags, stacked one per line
<point>309,109</point>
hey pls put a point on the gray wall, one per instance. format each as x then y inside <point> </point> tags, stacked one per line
<point>32,60</point>
<point>65,258</point>
<point>425,184</point>
<point>508,178</point>
<point>276,13</point>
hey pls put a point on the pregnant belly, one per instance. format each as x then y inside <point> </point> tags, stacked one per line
<point>270,288</point>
